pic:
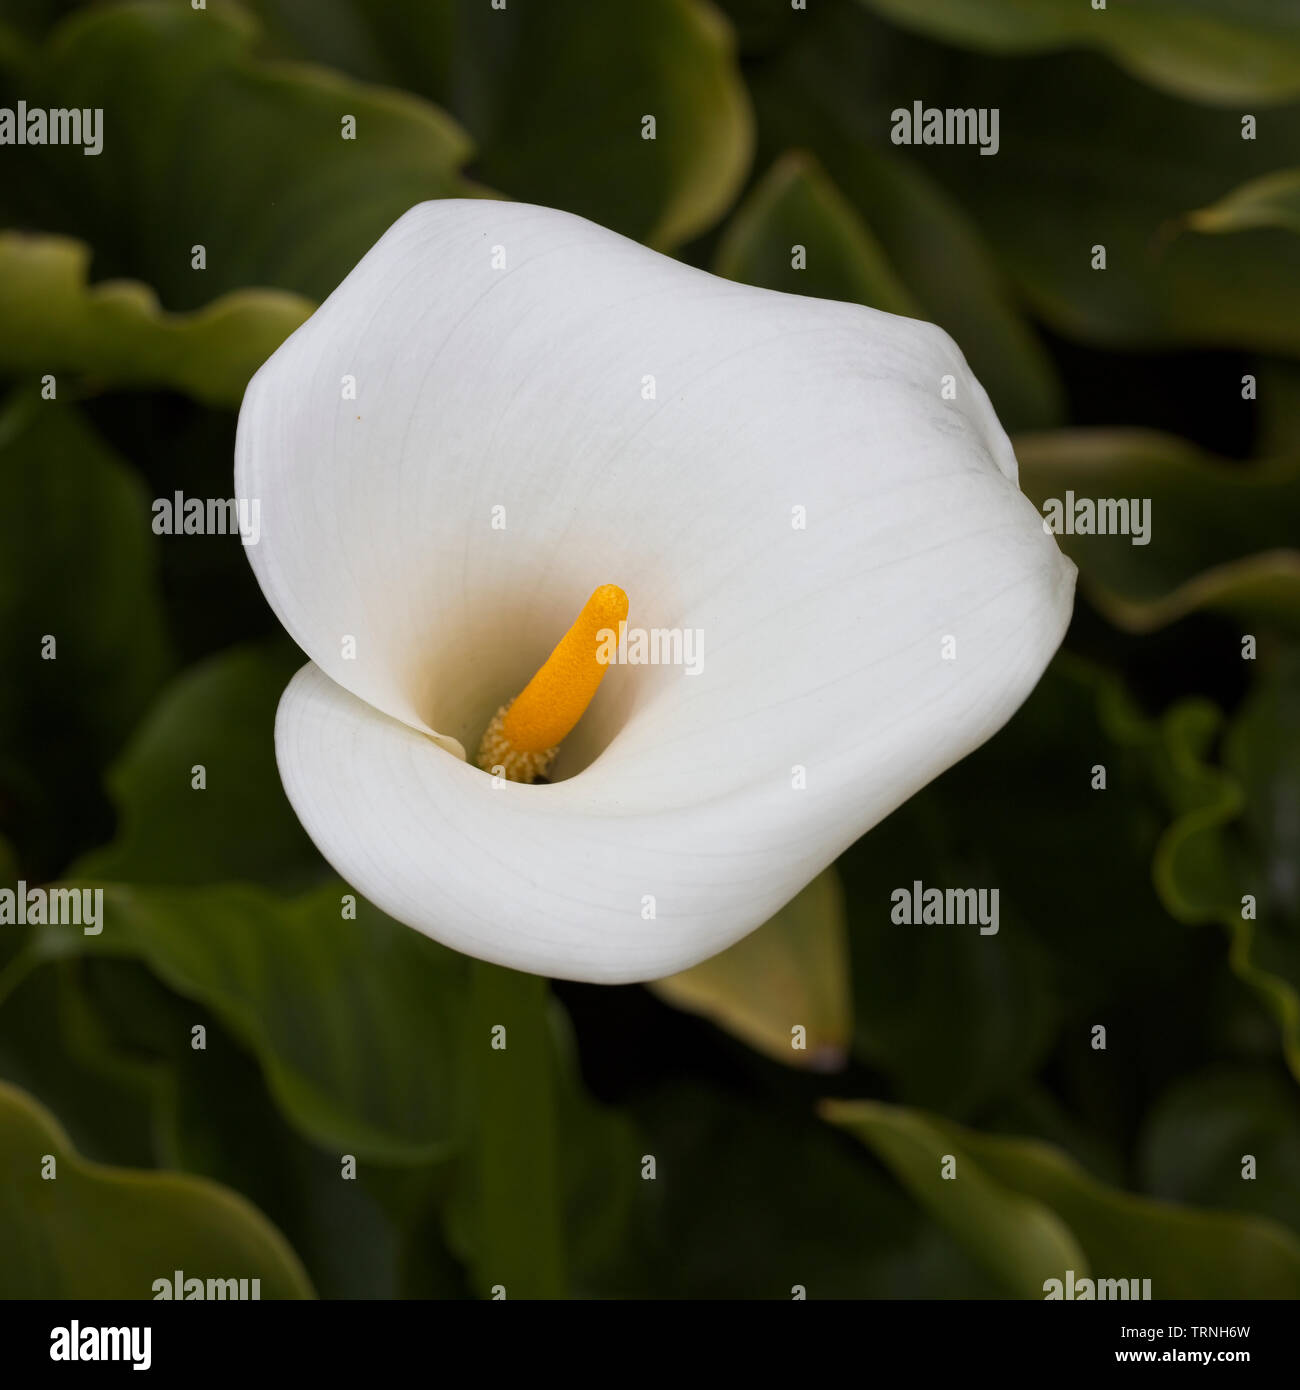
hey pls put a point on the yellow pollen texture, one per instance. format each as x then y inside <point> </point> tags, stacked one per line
<point>526,734</point>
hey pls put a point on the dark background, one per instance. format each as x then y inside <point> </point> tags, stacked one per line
<point>1120,908</point>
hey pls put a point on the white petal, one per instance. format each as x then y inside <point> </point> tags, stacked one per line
<point>823,647</point>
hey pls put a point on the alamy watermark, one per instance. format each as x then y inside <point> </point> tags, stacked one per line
<point>1099,516</point>
<point>35,125</point>
<point>949,125</point>
<point>194,1289</point>
<point>945,906</point>
<point>179,515</point>
<point>54,907</point>
<point>77,1343</point>
<point>1099,1289</point>
<point>655,646</point>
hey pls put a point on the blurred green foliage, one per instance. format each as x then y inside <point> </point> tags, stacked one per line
<point>96,1232</point>
<point>117,334</point>
<point>334,1040</point>
<point>1029,1214</point>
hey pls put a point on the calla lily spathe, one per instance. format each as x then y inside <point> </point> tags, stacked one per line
<point>542,406</point>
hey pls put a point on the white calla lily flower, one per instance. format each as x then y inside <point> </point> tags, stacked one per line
<point>504,407</point>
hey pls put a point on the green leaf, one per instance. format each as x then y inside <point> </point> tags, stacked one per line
<point>1201,1132</point>
<point>213,600</point>
<point>47,1048</point>
<point>792,972</point>
<point>555,94</point>
<point>953,1018</point>
<point>1270,201</point>
<point>795,204</point>
<point>559,112</point>
<point>96,1232</point>
<point>117,333</point>
<point>402,43</point>
<point>1021,1242</point>
<point>1116,165</point>
<point>354,1022</point>
<point>1029,1214</point>
<point>1037,1112</point>
<point>1223,535</point>
<point>208,145</point>
<point>1238,839</point>
<point>750,1200</point>
<point>960,1020</point>
<point>208,1112</point>
<point>215,1118</point>
<point>930,244</point>
<point>508,1217</point>
<point>1224,51</point>
<point>542,1186</point>
<point>219,714</point>
<point>600,1153</point>
<point>368,1046</point>
<point>75,570</point>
